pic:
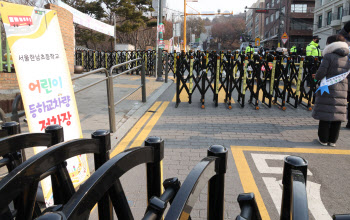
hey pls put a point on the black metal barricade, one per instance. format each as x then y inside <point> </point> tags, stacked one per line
<point>104,187</point>
<point>48,162</point>
<point>210,170</point>
<point>105,183</point>
<point>294,199</point>
<point>272,79</point>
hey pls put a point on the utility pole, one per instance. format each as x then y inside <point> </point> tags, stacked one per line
<point>160,50</point>
<point>174,27</point>
<point>115,32</point>
<point>190,35</point>
<point>279,25</point>
<point>185,13</point>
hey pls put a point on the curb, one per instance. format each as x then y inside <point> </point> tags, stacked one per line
<point>124,127</point>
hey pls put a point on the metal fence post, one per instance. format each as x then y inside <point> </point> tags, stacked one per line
<point>291,163</point>
<point>13,128</point>
<point>166,67</point>
<point>111,108</point>
<point>216,185</point>
<point>154,170</point>
<point>105,208</point>
<point>62,186</point>
<point>143,82</point>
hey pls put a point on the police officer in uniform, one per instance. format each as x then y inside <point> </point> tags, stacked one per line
<point>249,49</point>
<point>313,49</point>
<point>293,50</point>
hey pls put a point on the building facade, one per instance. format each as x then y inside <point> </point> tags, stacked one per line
<point>255,21</point>
<point>295,17</point>
<point>330,16</point>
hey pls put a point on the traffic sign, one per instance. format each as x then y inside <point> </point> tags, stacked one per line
<point>265,11</point>
<point>284,38</point>
<point>257,41</point>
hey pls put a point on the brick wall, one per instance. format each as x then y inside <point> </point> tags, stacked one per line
<point>8,81</point>
<point>65,19</point>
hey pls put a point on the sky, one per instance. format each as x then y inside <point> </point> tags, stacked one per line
<point>236,6</point>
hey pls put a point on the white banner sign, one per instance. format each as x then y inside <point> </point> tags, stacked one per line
<point>39,56</point>
<point>87,21</point>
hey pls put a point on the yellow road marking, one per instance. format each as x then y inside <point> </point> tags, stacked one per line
<point>246,175</point>
<point>132,133</point>
<point>248,181</point>
<point>125,86</point>
<point>293,150</point>
<point>149,126</point>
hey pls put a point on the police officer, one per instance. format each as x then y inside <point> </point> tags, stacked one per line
<point>249,49</point>
<point>293,50</point>
<point>313,49</point>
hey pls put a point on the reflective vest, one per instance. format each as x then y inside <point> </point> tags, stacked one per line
<point>293,49</point>
<point>249,49</point>
<point>313,50</point>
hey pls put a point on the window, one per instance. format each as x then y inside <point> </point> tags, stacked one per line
<point>257,19</point>
<point>277,1</point>
<point>320,21</point>
<point>277,14</point>
<point>267,5</point>
<point>329,17</point>
<point>297,24</point>
<point>299,8</point>
<point>11,19</point>
<point>272,3</point>
<point>267,20</point>
<point>340,12</point>
<point>283,9</point>
<point>271,18</point>
<point>20,19</point>
<point>16,19</point>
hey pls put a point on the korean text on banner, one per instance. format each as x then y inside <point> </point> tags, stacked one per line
<point>44,79</point>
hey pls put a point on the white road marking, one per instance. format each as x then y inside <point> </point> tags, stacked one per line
<point>263,167</point>
<point>274,186</point>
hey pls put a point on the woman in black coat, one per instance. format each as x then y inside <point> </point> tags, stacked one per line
<point>330,108</point>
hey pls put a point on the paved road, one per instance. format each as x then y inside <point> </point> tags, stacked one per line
<point>257,142</point>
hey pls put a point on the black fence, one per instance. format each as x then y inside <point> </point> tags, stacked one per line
<point>18,189</point>
<point>257,79</point>
<point>92,60</point>
<point>269,79</point>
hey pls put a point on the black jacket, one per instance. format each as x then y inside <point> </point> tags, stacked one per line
<point>332,106</point>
